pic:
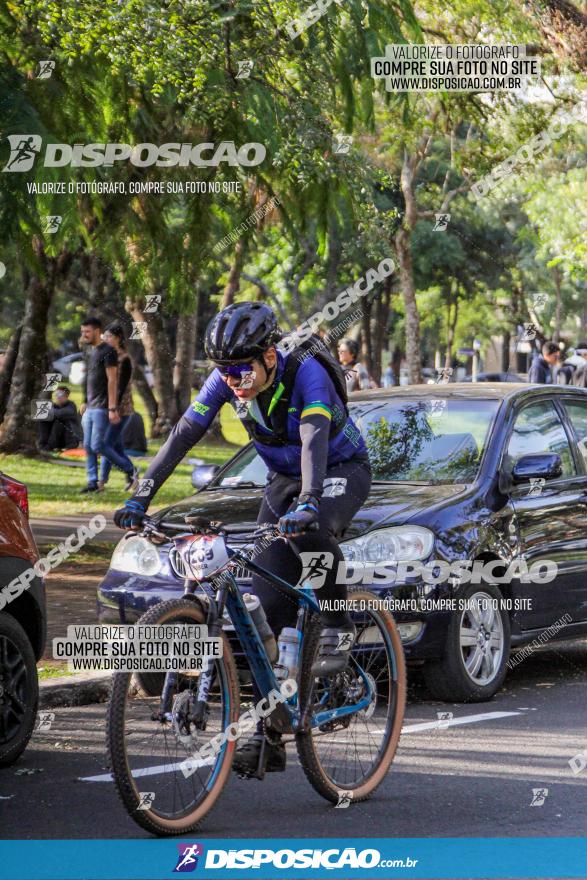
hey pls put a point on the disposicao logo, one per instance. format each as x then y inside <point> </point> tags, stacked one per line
<point>187,860</point>
<point>25,147</point>
<point>328,859</point>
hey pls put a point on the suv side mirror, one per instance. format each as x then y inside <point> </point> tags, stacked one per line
<point>203,474</point>
<point>545,466</point>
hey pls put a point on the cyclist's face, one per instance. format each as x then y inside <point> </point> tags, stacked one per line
<point>246,380</point>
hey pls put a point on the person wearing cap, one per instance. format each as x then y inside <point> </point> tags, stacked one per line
<point>541,371</point>
<point>61,430</point>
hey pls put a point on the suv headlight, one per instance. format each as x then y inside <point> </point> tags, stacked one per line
<point>397,544</point>
<point>136,555</point>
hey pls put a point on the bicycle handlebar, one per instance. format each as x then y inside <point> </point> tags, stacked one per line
<point>153,529</point>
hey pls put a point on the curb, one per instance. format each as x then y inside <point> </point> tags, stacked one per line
<point>74,690</point>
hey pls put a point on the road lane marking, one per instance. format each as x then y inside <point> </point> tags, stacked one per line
<point>410,728</point>
<point>453,722</point>
<point>144,771</point>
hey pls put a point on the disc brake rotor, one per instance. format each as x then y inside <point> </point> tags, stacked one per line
<point>185,732</point>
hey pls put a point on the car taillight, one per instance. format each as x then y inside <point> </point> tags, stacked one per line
<point>16,491</point>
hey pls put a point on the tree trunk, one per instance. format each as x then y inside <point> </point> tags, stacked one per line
<point>381,322</point>
<point>403,249</point>
<point>366,341</point>
<point>139,381</point>
<point>18,430</point>
<point>185,348</point>
<point>8,369</point>
<point>452,315</point>
<point>234,276</point>
<point>506,355</point>
<point>396,364</point>
<point>153,335</point>
<point>556,274</point>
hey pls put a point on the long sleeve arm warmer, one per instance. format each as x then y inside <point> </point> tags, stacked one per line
<point>185,434</point>
<point>314,434</point>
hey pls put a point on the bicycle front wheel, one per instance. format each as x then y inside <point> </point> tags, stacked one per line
<point>147,753</point>
<point>350,755</point>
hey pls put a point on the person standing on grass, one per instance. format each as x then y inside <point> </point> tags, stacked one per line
<point>100,393</point>
<point>114,453</point>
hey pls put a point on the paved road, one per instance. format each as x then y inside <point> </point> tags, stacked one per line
<point>475,778</point>
<point>51,531</point>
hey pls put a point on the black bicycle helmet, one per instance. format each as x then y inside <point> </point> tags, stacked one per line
<point>241,332</point>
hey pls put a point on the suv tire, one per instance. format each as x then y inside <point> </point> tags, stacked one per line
<point>18,679</point>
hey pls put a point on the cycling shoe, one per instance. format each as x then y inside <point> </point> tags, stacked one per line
<point>334,649</point>
<point>246,758</point>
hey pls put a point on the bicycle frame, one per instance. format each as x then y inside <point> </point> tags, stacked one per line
<point>229,596</point>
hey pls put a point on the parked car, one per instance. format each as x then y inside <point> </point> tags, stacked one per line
<point>22,624</point>
<point>455,473</point>
<point>66,364</point>
<point>495,377</point>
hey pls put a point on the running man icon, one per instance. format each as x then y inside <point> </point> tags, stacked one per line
<point>315,567</point>
<point>23,150</point>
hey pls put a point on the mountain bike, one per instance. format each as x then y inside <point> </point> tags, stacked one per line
<point>346,728</point>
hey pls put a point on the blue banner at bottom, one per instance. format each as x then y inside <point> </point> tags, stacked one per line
<point>282,859</point>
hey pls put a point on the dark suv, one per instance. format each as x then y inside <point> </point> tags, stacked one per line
<point>479,474</point>
<point>22,623</point>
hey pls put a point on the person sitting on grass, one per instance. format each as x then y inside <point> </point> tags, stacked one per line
<point>62,429</point>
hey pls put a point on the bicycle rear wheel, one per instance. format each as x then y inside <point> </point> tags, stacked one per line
<point>146,755</point>
<point>352,754</point>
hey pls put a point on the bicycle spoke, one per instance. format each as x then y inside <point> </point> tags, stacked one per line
<point>349,749</point>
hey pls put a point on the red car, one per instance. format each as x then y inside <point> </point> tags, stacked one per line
<point>23,622</point>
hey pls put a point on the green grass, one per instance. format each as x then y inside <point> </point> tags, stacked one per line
<point>92,553</point>
<point>54,488</point>
<point>47,670</point>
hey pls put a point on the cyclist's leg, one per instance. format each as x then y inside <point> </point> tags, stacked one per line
<point>279,557</point>
<point>350,483</point>
<point>345,492</point>
<point>350,490</point>
<point>281,611</point>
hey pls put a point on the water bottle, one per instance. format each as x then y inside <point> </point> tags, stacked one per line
<point>288,644</point>
<point>257,612</point>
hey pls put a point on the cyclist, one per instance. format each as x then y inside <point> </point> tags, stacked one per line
<point>294,409</point>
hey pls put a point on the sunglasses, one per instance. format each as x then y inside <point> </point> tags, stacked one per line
<point>235,371</point>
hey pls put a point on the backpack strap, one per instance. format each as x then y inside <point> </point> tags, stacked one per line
<point>280,402</point>
<point>277,411</point>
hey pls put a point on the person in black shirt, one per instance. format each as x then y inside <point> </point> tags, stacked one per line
<point>114,453</point>
<point>61,430</point>
<point>100,390</point>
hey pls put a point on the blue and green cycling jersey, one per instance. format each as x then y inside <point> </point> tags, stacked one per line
<point>318,432</point>
<point>313,394</point>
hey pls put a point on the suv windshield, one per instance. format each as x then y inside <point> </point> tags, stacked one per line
<point>429,441</point>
